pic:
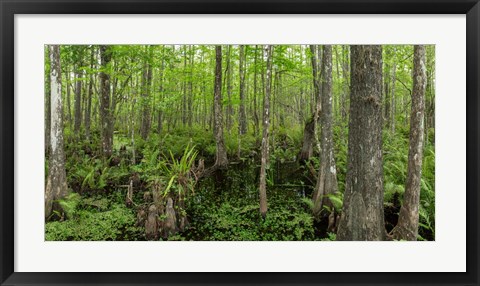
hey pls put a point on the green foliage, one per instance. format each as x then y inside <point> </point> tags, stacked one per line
<point>395,158</point>
<point>243,222</point>
<point>178,171</point>
<point>331,237</point>
<point>114,224</point>
<point>232,142</point>
<point>234,214</point>
<point>225,206</point>
<point>70,204</point>
<point>337,200</point>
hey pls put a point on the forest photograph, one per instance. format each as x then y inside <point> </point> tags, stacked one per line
<point>252,142</point>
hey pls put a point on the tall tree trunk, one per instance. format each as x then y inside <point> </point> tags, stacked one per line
<point>190,86</point>
<point>184,87</point>
<point>242,121</point>
<point>386,91</point>
<point>229,109</point>
<point>392,94</point>
<point>161,90</point>
<point>327,177</point>
<point>146,86</point>
<point>57,180</point>
<point>221,159</point>
<point>362,217</point>
<point>69,109</point>
<point>346,85</point>
<point>88,110</point>
<point>316,81</point>
<point>255,112</point>
<point>78,96</point>
<point>309,132</point>
<point>105,112</point>
<point>47,106</point>
<point>407,226</point>
<point>266,125</point>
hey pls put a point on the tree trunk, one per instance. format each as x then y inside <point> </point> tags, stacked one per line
<point>47,107</point>
<point>78,98</point>
<point>407,226</point>
<point>386,93</point>
<point>308,138</point>
<point>266,125</point>
<point>392,94</point>
<point>221,153</point>
<point>309,132</point>
<point>345,72</point>
<point>229,69</point>
<point>190,87</point>
<point>160,108</point>
<point>67,103</point>
<point>146,86</point>
<point>184,87</point>
<point>105,112</point>
<point>255,112</point>
<point>316,82</point>
<point>327,177</point>
<point>362,217</point>
<point>56,188</point>
<point>88,110</point>
<point>242,121</point>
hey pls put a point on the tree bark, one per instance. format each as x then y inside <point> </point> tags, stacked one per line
<point>386,93</point>
<point>392,95</point>
<point>407,226</point>
<point>161,90</point>
<point>47,106</point>
<point>309,132</point>
<point>255,112</point>
<point>346,85</point>
<point>327,177</point>
<point>184,87</point>
<point>105,112</point>
<point>221,153</point>
<point>78,96</point>
<point>229,109</point>
<point>362,217</point>
<point>266,125</point>
<point>67,103</point>
<point>242,115</point>
<point>88,109</point>
<point>146,86</point>
<point>56,188</point>
<point>190,86</point>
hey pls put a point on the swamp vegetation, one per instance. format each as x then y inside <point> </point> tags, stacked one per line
<point>239,142</point>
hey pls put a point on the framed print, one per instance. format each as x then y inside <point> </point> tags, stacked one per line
<point>236,142</point>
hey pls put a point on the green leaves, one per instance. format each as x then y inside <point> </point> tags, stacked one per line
<point>114,224</point>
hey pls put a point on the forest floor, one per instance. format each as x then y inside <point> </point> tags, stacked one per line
<point>224,205</point>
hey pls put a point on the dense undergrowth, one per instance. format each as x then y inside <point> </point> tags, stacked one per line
<point>223,206</point>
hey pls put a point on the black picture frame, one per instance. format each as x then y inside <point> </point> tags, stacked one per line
<point>8,9</point>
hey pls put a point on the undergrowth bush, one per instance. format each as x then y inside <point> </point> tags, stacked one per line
<point>94,220</point>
